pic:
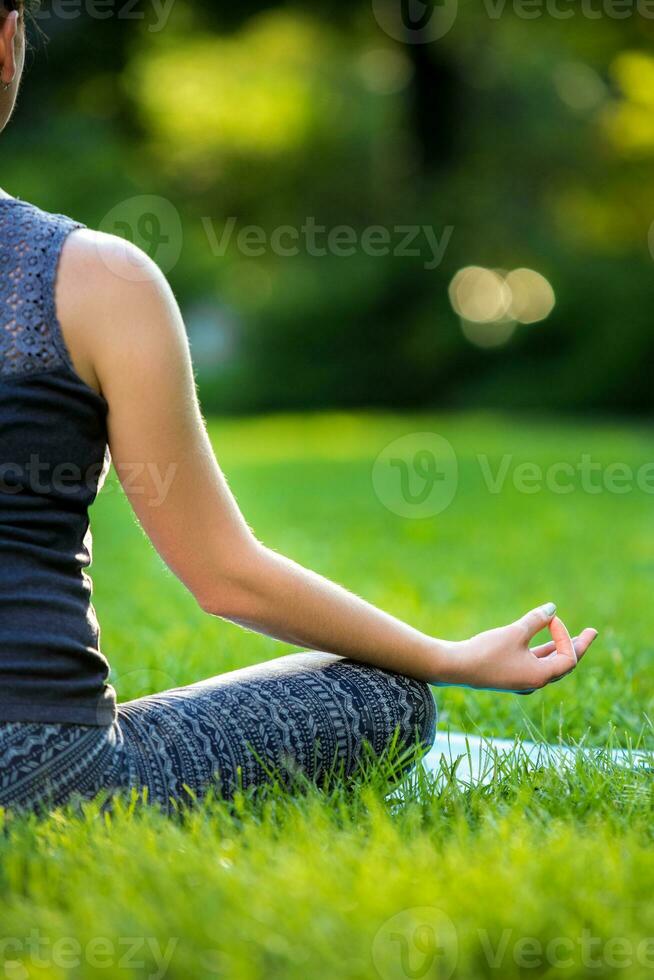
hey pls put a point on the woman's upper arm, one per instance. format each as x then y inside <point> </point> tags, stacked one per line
<point>126,337</point>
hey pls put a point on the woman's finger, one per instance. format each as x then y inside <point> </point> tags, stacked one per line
<point>565,658</point>
<point>581,644</point>
<point>558,665</point>
<point>584,641</point>
<point>536,620</point>
<point>561,637</point>
<point>545,649</point>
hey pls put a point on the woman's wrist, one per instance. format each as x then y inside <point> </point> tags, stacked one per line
<point>448,663</point>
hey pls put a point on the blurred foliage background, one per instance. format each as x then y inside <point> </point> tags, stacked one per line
<point>530,139</point>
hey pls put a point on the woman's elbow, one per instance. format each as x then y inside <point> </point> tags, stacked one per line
<point>232,592</point>
<point>225,600</point>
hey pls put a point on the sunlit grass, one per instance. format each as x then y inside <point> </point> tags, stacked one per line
<point>332,884</point>
<point>336,885</point>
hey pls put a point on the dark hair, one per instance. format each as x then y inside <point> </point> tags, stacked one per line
<point>23,6</point>
<point>26,5</point>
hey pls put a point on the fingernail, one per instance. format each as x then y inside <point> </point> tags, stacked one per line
<point>549,609</point>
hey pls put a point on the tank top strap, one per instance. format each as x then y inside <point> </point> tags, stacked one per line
<point>31,242</point>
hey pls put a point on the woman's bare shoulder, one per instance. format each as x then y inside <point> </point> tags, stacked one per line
<point>93,260</point>
<point>112,302</point>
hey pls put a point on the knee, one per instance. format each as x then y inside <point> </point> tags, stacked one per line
<point>421,715</point>
<point>392,706</point>
<point>379,704</point>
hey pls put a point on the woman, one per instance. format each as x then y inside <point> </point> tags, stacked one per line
<point>95,356</point>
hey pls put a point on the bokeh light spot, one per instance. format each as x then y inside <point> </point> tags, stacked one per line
<point>532,297</point>
<point>488,335</point>
<point>579,86</point>
<point>490,302</point>
<point>385,71</point>
<point>479,295</point>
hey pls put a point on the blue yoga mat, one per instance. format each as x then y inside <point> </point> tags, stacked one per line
<point>478,761</point>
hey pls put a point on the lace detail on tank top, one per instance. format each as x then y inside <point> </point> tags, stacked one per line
<point>30,246</point>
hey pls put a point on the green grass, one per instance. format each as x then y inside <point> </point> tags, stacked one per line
<point>333,886</point>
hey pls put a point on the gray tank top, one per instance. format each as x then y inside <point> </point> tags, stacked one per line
<point>53,459</point>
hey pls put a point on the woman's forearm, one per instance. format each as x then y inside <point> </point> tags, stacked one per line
<point>268,593</point>
<point>275,596</point>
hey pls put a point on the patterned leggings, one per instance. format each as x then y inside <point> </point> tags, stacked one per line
<point>306,713</point>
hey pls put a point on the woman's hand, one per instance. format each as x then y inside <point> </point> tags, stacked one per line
<point>502,659</point>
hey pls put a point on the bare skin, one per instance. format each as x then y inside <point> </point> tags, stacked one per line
<point>127,341</point>
<point>12,61</point>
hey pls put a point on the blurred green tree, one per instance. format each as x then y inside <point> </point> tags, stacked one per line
<point>533,139</point>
